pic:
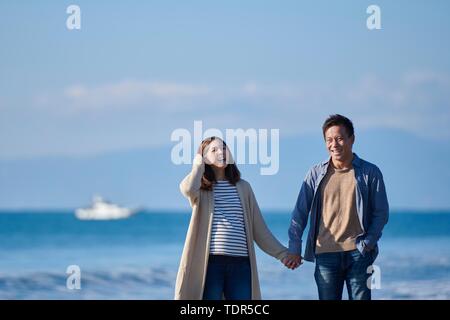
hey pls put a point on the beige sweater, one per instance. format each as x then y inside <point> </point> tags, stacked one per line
<point>194,260</point>
<point>339,223</point>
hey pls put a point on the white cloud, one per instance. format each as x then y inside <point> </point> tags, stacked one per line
<point>138,113</point>
<point>418,102</point>
<point>76,92</point>
<point>132,93</point>
<point>123,95</point>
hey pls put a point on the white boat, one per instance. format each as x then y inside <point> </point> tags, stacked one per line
<point>103,210</point>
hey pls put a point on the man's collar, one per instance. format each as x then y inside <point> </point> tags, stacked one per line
<point>356,162</point>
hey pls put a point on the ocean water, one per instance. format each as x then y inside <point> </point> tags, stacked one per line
<point>137,258</point>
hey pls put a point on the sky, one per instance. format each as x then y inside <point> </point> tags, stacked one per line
<point>136,71</point>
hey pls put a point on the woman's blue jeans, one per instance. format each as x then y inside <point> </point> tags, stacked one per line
<point>228,277</point>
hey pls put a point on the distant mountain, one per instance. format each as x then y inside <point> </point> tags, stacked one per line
<point>416,172</point>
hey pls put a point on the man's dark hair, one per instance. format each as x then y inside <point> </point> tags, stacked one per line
<point>338,120</point>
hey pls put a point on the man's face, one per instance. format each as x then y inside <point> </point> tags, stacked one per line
<point>339,144</point>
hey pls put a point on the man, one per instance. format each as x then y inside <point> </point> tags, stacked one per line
<point>347,200</point>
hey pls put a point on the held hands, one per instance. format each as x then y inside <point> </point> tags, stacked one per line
<point>292,261</point>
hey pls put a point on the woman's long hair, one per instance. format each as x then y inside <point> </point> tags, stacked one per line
<point>232,173</point>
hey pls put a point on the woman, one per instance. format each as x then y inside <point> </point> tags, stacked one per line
<point>218,258</point>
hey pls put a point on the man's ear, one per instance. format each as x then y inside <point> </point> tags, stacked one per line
<point>352,139</point>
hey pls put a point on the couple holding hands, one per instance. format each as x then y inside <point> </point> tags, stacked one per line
<point>344,198</point>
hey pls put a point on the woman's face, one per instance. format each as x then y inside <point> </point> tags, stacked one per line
<point>216,154</point>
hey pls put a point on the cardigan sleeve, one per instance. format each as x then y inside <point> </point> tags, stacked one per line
<point>190,185</point>
<point>261,233</point>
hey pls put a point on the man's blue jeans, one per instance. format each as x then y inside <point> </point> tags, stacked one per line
<point>335,268</point>
<point>228,277</point>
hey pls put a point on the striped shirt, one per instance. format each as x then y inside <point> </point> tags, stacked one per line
<point>228,235</point>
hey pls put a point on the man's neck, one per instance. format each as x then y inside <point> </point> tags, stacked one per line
<point>344,164</point>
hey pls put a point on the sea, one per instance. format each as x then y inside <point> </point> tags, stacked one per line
<point>53,255</point>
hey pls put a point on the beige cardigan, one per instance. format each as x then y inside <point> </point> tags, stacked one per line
<point>194,260</point>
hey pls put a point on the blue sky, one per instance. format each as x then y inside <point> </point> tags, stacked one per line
<point>138,70</point>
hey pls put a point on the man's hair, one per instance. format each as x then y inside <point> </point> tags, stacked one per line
<point>338,120</point>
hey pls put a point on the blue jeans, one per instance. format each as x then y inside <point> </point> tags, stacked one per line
<point>335,268</point>
<point>228,277</point>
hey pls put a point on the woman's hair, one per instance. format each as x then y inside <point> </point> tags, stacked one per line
<point>232,173</point>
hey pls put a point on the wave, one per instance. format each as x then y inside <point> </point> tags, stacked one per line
<point>417,290</point>
<point>152,283</point>
<point>401,278</point>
